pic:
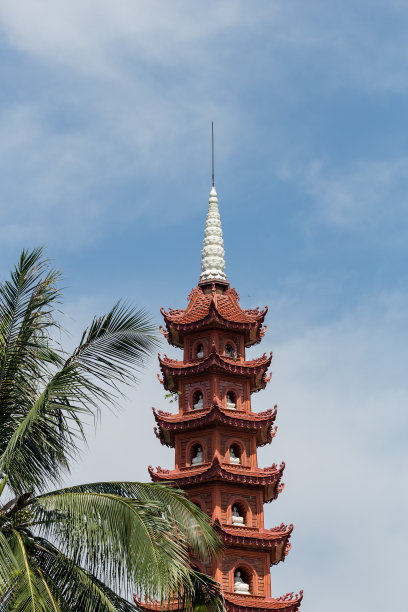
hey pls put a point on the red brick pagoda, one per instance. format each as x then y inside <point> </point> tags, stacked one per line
<point>215,433</point>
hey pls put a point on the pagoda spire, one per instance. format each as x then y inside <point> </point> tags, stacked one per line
<point>213,254</point>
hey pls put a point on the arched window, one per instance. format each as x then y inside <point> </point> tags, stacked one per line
<point>196,454</point>
<point>243,580</point>
<point>235,453</point>
<point>238,514</point>
<point>229,351</point>
<point>198,503</point>
<point>231,400</point>
<point>199,351</point>
<point>198,400</point>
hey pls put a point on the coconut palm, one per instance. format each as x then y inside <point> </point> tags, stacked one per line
<point>82,548</point>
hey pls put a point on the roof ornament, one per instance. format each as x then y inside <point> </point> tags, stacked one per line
<point>212,255</point>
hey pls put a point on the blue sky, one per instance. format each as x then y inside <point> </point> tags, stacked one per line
<point>105,123</point>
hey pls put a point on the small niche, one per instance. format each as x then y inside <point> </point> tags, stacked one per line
<point>235,454</point>
<point>242,581</point>
<point>198,400</point>
<point>231,400</point>
<point>196,454</point>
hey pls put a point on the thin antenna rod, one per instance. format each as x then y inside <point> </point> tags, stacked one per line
<point>212,142</point>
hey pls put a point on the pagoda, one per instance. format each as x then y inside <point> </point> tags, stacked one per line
<point>216,435</point>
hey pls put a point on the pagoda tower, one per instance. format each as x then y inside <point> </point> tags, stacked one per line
<point>216,435</point>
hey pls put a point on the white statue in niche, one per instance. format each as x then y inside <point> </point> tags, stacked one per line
<point>236,518</point>
<point>200,402</point>
<point>198,459</point>
<point>239,585</point>
<point>231,405</point>
<point>229,351</point>
<point>200,351</point>
<point>233,457</point>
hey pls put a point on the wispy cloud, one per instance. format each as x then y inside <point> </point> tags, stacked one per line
<point>107,95</point>
<point>361,196</point>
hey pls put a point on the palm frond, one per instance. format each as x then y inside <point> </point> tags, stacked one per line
<point>78,589</point>
<point>115,344</point>
<point>129,534</point>
<point>28,592</point>
<point>206,595</point>
<point>45,438</point>
<point>8,565</point>
<point>44,395</point>
<point>27,303</point>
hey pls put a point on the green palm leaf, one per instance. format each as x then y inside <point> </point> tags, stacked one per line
<point>45,394</point>
<point>138,533</point>
<point>76,588</point>
<point>107,538</point>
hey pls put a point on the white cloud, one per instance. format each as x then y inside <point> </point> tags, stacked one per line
<point>362,196</point>
<point>138,84</point>
<point>96,36</point>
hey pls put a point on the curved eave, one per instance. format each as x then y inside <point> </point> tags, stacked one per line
<point>262,423</point>
<point>235,603</point>
<point>275,540</point>
<point>250,603</point>
<point>156,606</point>
<point>256,369</point>
<point>268,478</point>
<point>175,329</point>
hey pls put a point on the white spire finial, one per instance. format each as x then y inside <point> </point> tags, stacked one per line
<point>212,255</point>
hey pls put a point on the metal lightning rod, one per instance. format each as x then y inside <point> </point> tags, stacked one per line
<point>212,142</point>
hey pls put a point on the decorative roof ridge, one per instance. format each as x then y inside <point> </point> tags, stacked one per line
<point>218,466</point>
<point>291,596</point>
<point>195,291</point>
<point>212,300</point>
<point>195,415</point>
<point>167,421</point>
<point>256,603</point>
<point>282,527</point>
<point>279,531</point>
<point>245,603</point>
<point>170,362</point>
<point>255,312</point>
<point>254,368</point>
<point>247,536</point>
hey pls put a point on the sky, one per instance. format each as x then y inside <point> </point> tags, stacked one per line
<point>105,158</point>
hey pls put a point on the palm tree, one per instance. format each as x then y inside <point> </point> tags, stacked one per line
<point>77,548</point>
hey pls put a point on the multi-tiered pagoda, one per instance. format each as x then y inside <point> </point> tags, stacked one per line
<point>215,433</point>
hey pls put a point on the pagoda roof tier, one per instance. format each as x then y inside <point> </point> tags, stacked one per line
<point>255,369</point>
<point>257,603</point>
<point>235,602</point>
<point>268,478</point>
<point>275,539</point>
<point>262,422</point>
<point>211,307</point>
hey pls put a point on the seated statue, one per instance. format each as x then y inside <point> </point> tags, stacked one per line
<point>199,403</point>
<point>200,352</point>
<point>236,518</point>
<point>233,457</point>
<point>228,351</point>
<point>230,404</point>
<point>198,459</point>
<point>239,585</point>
